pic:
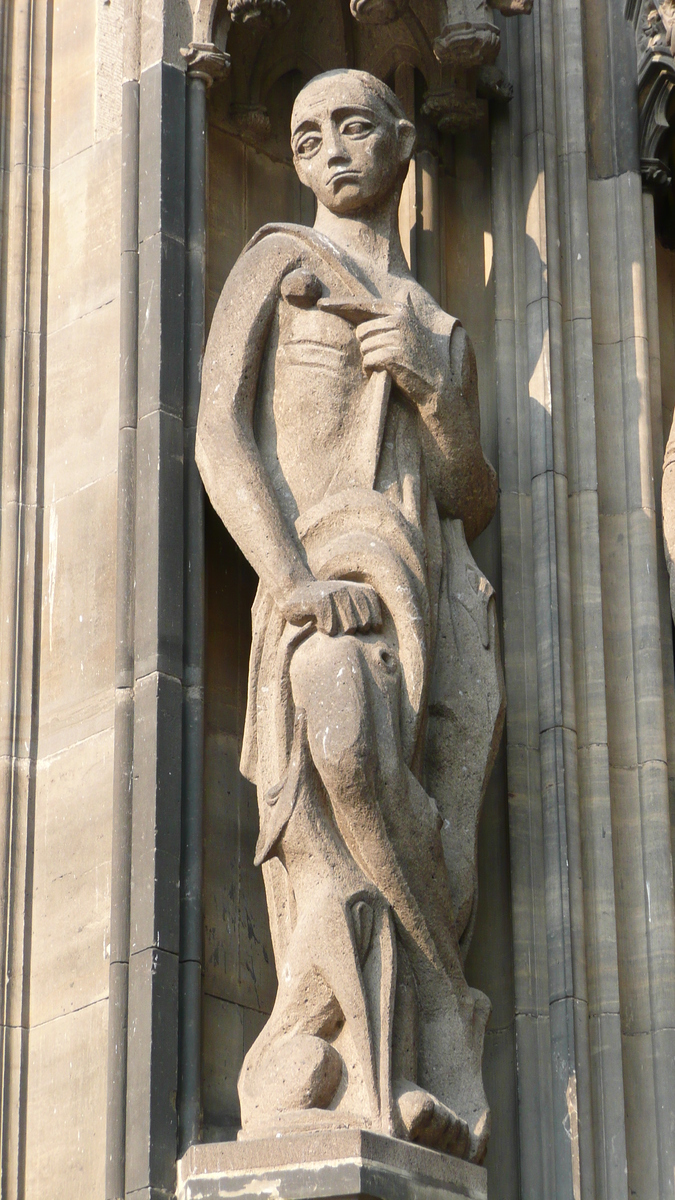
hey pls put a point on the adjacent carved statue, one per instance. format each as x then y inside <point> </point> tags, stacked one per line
<point>339,441</point>
<point>668,510</point>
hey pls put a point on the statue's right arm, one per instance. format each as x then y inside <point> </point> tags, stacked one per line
<point>235,478</point>
<point>228,458</point>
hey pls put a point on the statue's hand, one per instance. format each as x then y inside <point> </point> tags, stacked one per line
<point>400,344</point>
<point>336,605</point>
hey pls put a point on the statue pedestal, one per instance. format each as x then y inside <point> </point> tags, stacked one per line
<point>342,1163</point>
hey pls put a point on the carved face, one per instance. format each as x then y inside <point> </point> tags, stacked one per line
<point>348,147</point>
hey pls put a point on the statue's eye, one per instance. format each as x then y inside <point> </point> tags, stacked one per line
<point>356,128</point>
<point>308,146</point>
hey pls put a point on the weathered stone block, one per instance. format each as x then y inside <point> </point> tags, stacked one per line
<point>78,616</point>
<point>499,1069</point>
<point>84,265</point>
<point>160,350</point>
<point>155,863</point>
<point>228,1030</point>
<point>73,79</point>
<point>152,1070</point>
<point>340,1164</point>
<point>71,883</point>
<point>162,151</point>
<point>82,410</point>
<point>159,545</point>
<point>65,1117</point>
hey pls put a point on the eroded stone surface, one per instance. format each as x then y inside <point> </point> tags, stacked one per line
<point>339,442</point>
<point>345,1162</point>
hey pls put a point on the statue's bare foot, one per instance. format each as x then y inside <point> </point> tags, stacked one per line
<point>430,1123</point>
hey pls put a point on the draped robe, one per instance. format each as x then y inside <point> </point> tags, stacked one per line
<point>366,512</point>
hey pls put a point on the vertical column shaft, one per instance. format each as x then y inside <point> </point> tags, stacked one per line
<point>124,651</point>
<point>25,105</point>
<point>533,1045</point>
<point>572,1120</point>
<point>551,564</point>
<point>605,1087</point>
<point>631,606</point>
<point>152,1068</point>
<point>193,682</point>
<point>428,231</point>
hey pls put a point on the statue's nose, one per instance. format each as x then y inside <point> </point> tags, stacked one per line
<point>336,150</point>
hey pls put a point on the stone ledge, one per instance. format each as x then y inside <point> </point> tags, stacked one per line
<point>337,1163</point>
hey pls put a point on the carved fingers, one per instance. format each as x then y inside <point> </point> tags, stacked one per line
<point>400,344</point>
<point>357,608</point>
<point>335,605</point>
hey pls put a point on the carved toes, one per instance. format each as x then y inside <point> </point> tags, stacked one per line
<point>430,1123</point>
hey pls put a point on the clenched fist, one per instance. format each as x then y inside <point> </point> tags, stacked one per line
<point>336,605</point>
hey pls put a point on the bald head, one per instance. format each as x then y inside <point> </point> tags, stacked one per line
<point>351,141</point>
<point>346,83</point>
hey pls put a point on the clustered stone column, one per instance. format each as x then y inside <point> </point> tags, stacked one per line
<point>592,881</point>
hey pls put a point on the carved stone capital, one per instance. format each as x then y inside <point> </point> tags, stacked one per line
<point>468,37</point>
<point>266,12</point>
<point>377,12</point>
<point>467,44</point>
<point>452,110</point>
<point>205,61</point>
<point>463,34</point>
<point>253,123</point>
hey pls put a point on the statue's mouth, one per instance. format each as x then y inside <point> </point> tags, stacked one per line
<point>340,177</point>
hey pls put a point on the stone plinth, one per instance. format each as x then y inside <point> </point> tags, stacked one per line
<point>340,1163</point>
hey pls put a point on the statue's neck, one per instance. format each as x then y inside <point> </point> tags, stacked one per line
<point>372,238</point>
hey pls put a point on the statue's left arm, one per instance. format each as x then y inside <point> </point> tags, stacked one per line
<point>437,372</point>
<point>461,478</point>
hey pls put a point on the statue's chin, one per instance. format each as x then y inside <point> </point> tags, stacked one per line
<point>349,199</point>
<point>353,201</point>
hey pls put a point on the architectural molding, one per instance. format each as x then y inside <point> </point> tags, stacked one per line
<point>205,61</point>
<point>459,42</point>
<point>452,109</point>
<point>264,12</point>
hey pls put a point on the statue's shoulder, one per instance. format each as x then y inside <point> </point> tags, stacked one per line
<point>279,248</point>
<point>252,287</point>
<point>277,233</point>
<point>272,250</point>
<point>295,243</point>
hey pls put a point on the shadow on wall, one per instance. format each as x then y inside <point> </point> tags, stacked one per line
<point>239,977</point>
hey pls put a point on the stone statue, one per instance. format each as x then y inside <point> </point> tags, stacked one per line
<point>668,511</point>
<point>338,440</point>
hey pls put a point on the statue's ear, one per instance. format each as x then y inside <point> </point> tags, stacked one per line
<point>406,139</point>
